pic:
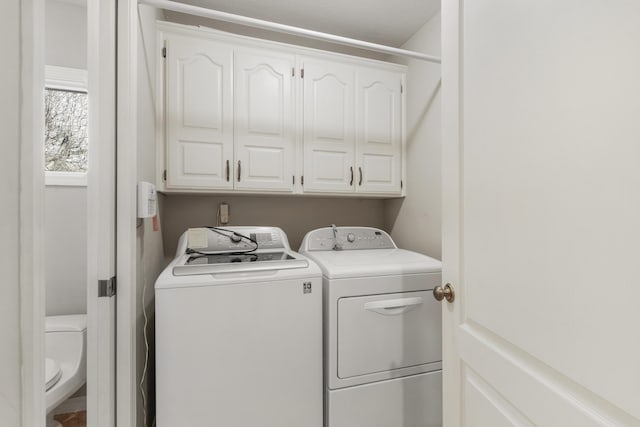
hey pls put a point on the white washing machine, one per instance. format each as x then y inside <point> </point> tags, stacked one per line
<point>382,330</point>
<point>238,332</point>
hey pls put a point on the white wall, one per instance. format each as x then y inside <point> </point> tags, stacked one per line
<point>150,258</point>
<point>66,41</point>
<point>415,221</point>
<point>66,250</point>
<point>10,387</point>
<point>66,207</point>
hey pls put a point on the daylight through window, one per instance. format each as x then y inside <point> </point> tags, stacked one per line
<point>66,132</point>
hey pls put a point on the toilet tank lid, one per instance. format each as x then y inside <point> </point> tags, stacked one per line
<point>68,323</point>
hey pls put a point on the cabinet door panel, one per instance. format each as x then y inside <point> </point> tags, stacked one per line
<point>379,131</point>
<point>264,120</point>
<point>194,159</point>
<point>377,169</point>
<point>328,126</point>
<point>263,165</point>
<point>198,113</point>
<point>330,167</point>
<point>200,97</point>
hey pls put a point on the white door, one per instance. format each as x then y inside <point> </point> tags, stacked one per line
<point>328,126</point>
<point>378,131</point>
<point>101,205</point>
<point>199,113</point>
<point>541,105</point>
<point>264,121</point>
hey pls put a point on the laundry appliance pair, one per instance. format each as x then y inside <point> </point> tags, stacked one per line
<point>343,334</point>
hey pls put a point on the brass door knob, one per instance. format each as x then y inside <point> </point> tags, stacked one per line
<point>441,293</point>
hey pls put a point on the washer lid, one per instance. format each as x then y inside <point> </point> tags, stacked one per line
<point>373,262</point>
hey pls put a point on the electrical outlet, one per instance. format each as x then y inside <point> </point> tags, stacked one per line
<point>223,213</point>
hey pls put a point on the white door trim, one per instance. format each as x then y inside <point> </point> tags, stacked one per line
<point>101,226</point>
<point>451,209</point>
<point>126,211</point>
<point>32,291</point>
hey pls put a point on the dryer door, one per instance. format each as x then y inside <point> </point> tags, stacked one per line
<point>387,332</point>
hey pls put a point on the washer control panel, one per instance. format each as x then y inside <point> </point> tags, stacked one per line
<point>229,239</point>
<point>346,238</point>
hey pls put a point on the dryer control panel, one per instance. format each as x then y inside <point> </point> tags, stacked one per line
<point>346,238</point>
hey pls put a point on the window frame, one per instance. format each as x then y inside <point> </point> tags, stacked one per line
<point>69,79</point>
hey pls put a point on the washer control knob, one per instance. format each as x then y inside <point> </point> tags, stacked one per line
<point>351,237</point>
<point>235,238</point>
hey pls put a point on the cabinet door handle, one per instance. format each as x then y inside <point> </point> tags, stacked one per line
<point>351,181</point>
<point>360,180</point>
<point>239,170</point>
<point>227,173</point>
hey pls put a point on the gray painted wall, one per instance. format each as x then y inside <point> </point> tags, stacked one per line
<point>66,207</point>
<point>295,215</point>
<point>415,222</point>
<point>10,385</point>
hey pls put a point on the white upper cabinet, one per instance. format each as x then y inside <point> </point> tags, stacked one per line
<point>247,115</point>
<point>379,131</point>
<point>199,113</point>
<point>328,126</point>
<point>352,131</point>
<point>264,120</point>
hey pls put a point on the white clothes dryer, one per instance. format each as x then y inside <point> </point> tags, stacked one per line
<point>382,330</point>
<point>238,332</point>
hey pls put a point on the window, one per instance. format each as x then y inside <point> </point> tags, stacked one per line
<point>66,126</point>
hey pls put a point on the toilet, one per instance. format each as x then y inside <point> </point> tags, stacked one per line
<point>65,357</point>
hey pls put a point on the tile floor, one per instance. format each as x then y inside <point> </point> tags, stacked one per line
<point>74,419</point>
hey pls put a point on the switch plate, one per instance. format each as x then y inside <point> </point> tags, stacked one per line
<point>223,211</point>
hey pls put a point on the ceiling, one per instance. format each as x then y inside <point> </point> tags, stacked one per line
<point>389,22</point>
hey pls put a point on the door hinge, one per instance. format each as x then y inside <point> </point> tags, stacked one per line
<point>164,175</point>
<point>302,73</point>
<point>107,288</point>
<point>294,180</point>
<point>293,71</point>
<point>164,52</point>
<point>302,180</point>
<point>401,88</point>
<point>401,184</point>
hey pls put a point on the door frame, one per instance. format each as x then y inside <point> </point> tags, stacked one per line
<point>32,283</point>
<point>126,177</point>
<point>31,268</point>
<point>451,209</point>
<point>101,200</point>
